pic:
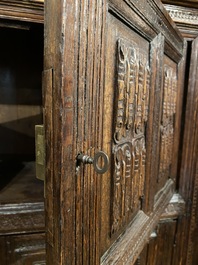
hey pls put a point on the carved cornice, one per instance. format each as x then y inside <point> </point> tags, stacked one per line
<point>186,3</point>
<point>183,15</point>
<point>22,10</point>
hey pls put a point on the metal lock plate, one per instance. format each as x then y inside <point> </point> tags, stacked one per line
<point>40,152</point>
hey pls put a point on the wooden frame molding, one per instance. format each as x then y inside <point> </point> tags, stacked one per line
<point>128,247</point>
<point>26,10</point>
<point>183,15</point>
<point>22,216</point>
<point>186,19</point>
<point>186,3</point>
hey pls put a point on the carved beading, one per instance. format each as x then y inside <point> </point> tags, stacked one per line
<point>129,137</point>
<point>183,15</point>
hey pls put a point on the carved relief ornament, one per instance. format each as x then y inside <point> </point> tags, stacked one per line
<point>129,136</point>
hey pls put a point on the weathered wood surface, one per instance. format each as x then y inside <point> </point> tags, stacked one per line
<point>107,61</point>
<point>26,10</point>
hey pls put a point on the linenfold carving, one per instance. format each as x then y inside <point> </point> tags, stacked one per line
<point>167,124</point>
<point>129,137</point>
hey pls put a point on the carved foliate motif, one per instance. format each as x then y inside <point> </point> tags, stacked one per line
<point>167,123</point>
<point>129,136</point>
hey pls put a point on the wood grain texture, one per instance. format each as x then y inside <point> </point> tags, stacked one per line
<point>128,247</point>
<point>26,10</point>
<point>189,163</point>
<point>160,248</point>
<point>155,107</point>
<point>27,249</point>
<point>89,113</point>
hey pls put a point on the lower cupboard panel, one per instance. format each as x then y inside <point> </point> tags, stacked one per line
<point>23,250</point>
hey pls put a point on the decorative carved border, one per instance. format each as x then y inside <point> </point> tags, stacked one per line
<point>183,15</point>
<point>185,3</point>
<point>26,10</point>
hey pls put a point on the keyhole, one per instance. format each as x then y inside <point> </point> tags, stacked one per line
<point>101,162</point>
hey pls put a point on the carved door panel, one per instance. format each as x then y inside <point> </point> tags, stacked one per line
<point>112,83</point>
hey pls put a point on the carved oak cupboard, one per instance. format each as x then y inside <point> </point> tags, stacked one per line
<point>113,81</point>
<point>116,105</point>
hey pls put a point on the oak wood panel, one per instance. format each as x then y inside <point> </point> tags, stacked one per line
<point>130,244</point>
<point>78,119</point>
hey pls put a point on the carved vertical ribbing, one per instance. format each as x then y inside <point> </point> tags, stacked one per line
<point>167,122</point>
<point>129,137</point>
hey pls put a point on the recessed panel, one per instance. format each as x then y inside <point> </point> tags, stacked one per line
<point>167,129</point>
<point>126,105</point>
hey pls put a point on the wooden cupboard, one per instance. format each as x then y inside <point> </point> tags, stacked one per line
<point>118,77</point>
<point>119,87</point>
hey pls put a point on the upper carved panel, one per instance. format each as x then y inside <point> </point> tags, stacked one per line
<point>129,136</point>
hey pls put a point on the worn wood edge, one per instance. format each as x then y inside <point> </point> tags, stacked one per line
<point>191,136</point>
<point>150,26</point>
<point>173,38</point>
<point>22,218</point>
<point>17,208</point>
<point>156,57</point>
<point>130,244</point>
<point>30,11</point>
<point>175,208</point>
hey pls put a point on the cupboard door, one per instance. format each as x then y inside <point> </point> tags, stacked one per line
<point>112,84</point>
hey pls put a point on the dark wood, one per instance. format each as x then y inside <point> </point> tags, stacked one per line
<point>21,53</point>
<point>21,201</point>
<point>3,250</point>
<point>21,194</point>
<point>26,249</point>
<point>113,80</point>
<point>26,10</point>
<point>188,174</point>
<point>161,245</point>
<point>184,247</point>
<point>121,63</point>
